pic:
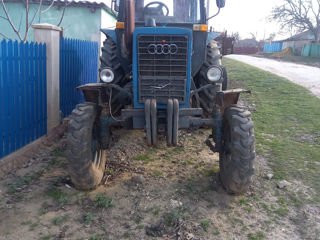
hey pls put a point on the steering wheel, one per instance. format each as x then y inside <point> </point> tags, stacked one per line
<point>160,6</point>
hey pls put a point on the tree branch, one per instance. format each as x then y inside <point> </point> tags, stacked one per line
<point>64,9</point>
<point>297,14</point>
<point>27,14</point>
<point>47,9</point>
<point>29,24</point>
<point>4,36</point>
<point>9,20</point>
<point>20,23</point>
<point>4,18</point>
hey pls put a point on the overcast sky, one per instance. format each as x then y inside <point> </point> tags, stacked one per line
<point>245,16</point>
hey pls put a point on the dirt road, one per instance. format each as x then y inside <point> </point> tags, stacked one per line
<point>306,76</point>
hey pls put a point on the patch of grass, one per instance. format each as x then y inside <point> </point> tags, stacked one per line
<point>282,211</point>
<point>140,226</point>
<point>94,237</point>
<point>156,211</point>
<point>157,173</point>
<point>205,224</point>
<point>146,158</point>
<point>211,172</point>
<point>59,152</point>
<point>248,208</point>
<point>109,171</point>
<point>191,185</point>
<point>19,183</point>
<point>80,197</point>
<point>172,218</point>
<point>282,112</point>
<point>126,235</point>
<point>103,201</point>
<point>59,220</point>
<point>258,236</point>
<point>59,196</point>
<point>178,150</point>
<point>88,218</point>
<point>44,208</point>
<point>47,237</point>
<point>243,201</point>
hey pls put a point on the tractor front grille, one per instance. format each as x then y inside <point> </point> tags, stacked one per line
<point>162,67</point>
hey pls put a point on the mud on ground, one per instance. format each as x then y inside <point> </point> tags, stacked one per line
<point>150,193</point>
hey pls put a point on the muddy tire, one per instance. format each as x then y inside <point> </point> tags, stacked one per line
<point>208,96</point>
<point>86,159</point>
<point>238,154</point>
<point>225,79</point>
<point>109,59</point>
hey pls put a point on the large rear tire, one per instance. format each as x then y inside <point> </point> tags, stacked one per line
<point>86,159</point>
<point>109,59</point>
<point>238,154</point>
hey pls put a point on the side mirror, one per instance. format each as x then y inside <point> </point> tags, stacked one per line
<point>115,5</point>
<point>221,3</point>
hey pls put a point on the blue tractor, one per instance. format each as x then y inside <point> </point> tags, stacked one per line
<point>161,71</point>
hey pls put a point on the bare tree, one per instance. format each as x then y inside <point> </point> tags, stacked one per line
<point>298,15</point>
<point>254,35</point>
<point>23,37</point>
<point>236,36</point>
<point>270,38</point>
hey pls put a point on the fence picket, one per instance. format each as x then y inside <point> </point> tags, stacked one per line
<point>21,97</point>
<point>78,66</point>
<point>1,105</point>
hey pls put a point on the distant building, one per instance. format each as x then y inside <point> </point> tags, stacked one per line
<point>248,42</point>
<point>297,42</point>
<point>247,46</point>
<point>82,20</point>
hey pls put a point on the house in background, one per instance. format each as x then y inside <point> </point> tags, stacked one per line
<point>247,46</point>
<point>81,20</point>
<point>297,42</point>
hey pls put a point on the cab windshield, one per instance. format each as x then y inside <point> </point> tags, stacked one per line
<point>169,11</point>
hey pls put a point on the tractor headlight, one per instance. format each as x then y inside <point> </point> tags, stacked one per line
<point>106,75</point>
<point>214,74</point>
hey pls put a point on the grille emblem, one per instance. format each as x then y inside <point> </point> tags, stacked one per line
<point>162,49</point>
<point>160,87</point>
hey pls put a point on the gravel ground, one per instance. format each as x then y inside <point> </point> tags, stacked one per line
<point>306,76</point>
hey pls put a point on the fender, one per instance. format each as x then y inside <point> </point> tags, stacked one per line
<point>229,97</point>
<point>110,33</point>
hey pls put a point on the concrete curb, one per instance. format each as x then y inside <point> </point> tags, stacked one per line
<point>16,159</point>
<point>19,157</point>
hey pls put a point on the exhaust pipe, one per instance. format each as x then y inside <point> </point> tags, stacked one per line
<point>129,25</point>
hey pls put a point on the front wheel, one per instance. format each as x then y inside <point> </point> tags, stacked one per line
<point>238,153</point>
<point>86,158</point>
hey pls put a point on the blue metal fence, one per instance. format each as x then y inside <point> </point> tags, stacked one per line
<point>272,47</point>
<point>78,66</point>
<point>23,95</point>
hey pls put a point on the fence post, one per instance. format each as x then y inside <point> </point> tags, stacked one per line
<point>50,34</point>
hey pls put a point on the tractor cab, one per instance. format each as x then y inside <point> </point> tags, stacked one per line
<point>152,13</point>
